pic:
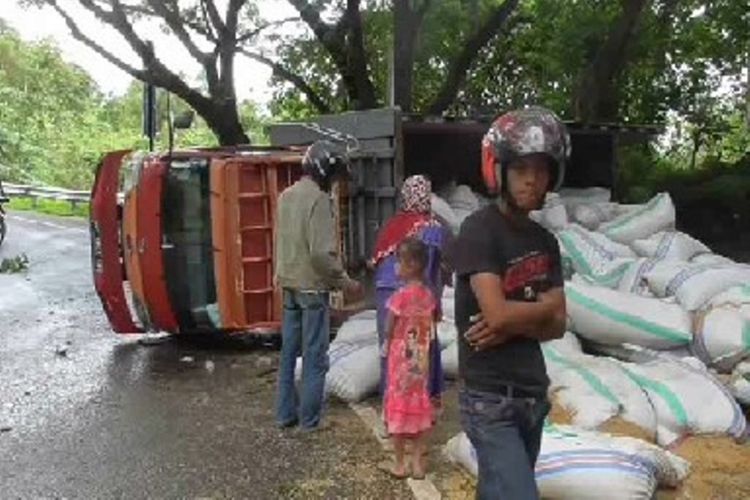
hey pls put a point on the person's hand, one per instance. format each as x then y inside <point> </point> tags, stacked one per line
<point>353,290</point>
<point>549,299</point>
<point>481,337</point>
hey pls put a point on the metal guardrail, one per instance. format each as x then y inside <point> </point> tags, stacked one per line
<point>50,193</point>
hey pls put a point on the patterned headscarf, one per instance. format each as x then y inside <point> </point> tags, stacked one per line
<point>415,195</point>
<point>414,216</point>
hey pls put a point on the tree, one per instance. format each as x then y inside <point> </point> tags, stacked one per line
<point>596,95</point>
<point>436,45</point>
<point>48,114</point>
<point>631,60</point>
<point>196,25</point>
<point>55,124</point>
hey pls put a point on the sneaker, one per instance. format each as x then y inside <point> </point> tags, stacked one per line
<point>322,426</point>
<point>287,425</point>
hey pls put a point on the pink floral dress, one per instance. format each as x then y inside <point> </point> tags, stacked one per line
<point>407,406</point>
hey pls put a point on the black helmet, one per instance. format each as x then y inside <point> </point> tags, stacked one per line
<point>522,132</point>
<point>323,161</point>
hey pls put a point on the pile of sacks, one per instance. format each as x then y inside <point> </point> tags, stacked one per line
<point>665,324</point>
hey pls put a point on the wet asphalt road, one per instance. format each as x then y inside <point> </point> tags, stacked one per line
<point>87,414</point>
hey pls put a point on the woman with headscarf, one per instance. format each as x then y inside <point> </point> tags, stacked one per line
<point>414,219</point>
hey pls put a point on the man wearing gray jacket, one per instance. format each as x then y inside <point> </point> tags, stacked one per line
<point>308,267</point>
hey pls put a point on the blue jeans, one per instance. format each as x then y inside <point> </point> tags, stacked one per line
<point>506,433</point>
<point>305,330</point>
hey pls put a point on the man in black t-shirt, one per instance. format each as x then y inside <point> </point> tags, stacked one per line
<point>509,297</point>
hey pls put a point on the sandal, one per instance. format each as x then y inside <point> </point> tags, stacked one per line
<point>389,468</point>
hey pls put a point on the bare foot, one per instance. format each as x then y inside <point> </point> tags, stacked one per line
<point>419,468</point>
<point>394,469</point>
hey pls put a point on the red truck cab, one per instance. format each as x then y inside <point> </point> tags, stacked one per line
<point>189,248</point>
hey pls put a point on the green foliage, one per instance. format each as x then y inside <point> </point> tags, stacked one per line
<point>16,264</point>
<point>643,173</point>
<point>55,124</point>
<point>686,60</point>
<point>681,58</point>
<point>51,207</point>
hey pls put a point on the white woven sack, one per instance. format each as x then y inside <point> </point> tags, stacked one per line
<point>579,464</point>
<point>462,198</point>
<point>446,333</point>
<point>670,245</point>
<point>575,464</point>
<point>567,344</point>
<point>448,303</point>
<point>711,259</point>
<point>687,399</point>
<point>354,370</point>
<point>594,390</point>
<point>656,215</point>
<point>594,256</point>
<point>738,296</point>
<point>362,327</point>
<point>441,209</point>
<point>695,285</point>
<point>592,215</point>
<point>634,279</point>
<point>449,360</point>
<point>612,317</point>
<point>553,215</point>
<point>575,196</point>
<point>722,338</point>
<point>739,384</point>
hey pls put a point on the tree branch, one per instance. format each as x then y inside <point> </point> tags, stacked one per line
<point>325,33</point>
<point>206,19</point>
<point>170,12</point>
<point>233,13</point>
<point>467,56</point>
<point>154,71</point>
<point>278,70</point>
<point>253,33</point>
<point>213,15</point>
<point>80,36</point>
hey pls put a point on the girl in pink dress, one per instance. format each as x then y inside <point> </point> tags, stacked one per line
<point>408,411</point>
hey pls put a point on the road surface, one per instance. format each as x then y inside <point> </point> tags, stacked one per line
<point>85,413</point>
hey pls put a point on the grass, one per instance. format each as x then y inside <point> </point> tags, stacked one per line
<point>51,207</point>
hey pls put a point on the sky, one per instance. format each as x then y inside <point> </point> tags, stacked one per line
<point>251,78</point>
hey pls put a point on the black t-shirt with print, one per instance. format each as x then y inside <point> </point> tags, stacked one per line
<point>527,258</point>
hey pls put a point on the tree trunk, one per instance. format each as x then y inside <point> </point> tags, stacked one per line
<point>357,74</point>
<point>407,23</point>
<point>344,42</point>
<point>597,95</point>
<point>223,120</point>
